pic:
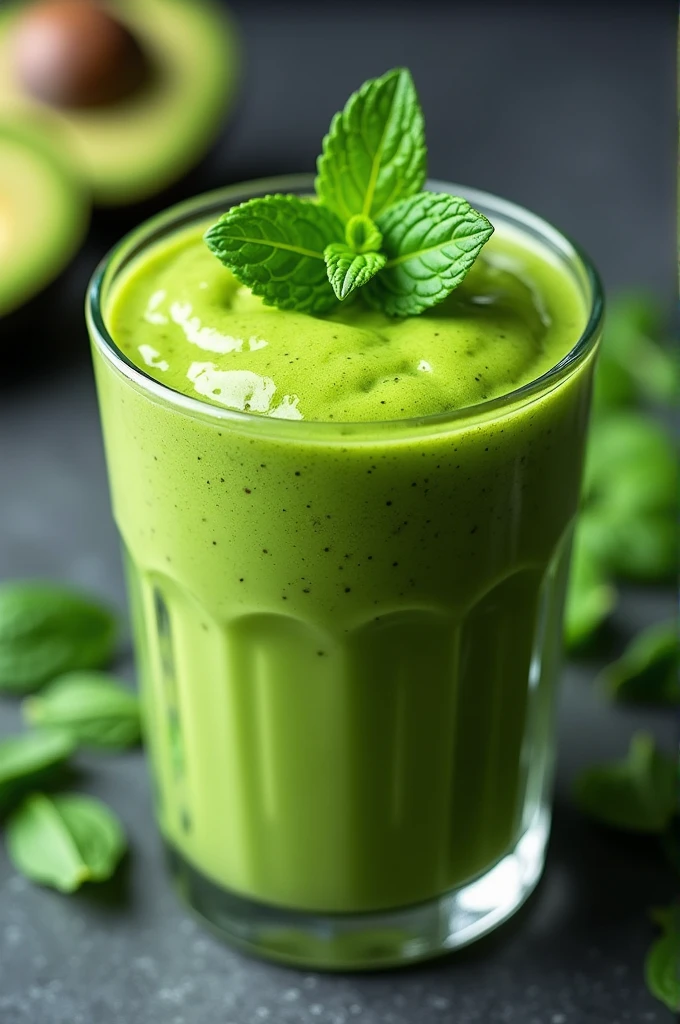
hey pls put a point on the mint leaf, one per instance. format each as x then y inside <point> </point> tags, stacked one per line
<point>94,709</point>
<point>63,841</point>
<point>431,240</point>
<point>638,794</point>
<point>46,630</point>
<point>374,154</point>
<point>29,760</point>
<point>275,246</point>
<point>348,270</point>
<point>648,671</point>
<point>662,963</point>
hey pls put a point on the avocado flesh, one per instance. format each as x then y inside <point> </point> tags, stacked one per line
<point>43,216</point>
<point>132,149</point>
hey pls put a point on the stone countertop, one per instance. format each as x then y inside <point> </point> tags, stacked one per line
<point>567,108</point>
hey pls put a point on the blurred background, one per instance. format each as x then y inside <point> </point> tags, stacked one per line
<point>568,108</point>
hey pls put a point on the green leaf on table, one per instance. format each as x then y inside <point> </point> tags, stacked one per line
<point>633,364</point>
<point>648,671</point>
<point>637,794</point>
<point>662,963</point>
<point>95,709</point>
<point>591,596</point>
<point>374,153</point>
<point>348,270</point>
<point>431,240</point>
<point>48,629</point>
<point>31,759</point>
<point>275,246</point>
<point>65,840</point>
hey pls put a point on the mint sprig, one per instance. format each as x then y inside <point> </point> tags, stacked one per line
<point>374,153</point>
<point>371,225</point>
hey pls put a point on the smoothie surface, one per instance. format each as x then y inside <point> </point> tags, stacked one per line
<point>184,319</point>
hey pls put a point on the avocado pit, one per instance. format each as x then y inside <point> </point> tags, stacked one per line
<point>75,53</point>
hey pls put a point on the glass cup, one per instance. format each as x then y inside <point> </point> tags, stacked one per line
<point>348,638</point>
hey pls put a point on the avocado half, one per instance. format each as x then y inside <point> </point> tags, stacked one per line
<point>131,149</point>
<point>44,212</point>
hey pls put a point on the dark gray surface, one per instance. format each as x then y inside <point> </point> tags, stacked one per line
<point>570,111</point>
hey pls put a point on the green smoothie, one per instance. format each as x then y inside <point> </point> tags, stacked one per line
<point>347,635</point>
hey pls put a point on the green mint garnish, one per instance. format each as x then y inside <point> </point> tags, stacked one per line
<point>348,269</point>
<point>371,225</point>
<point>275,246</point>
<point>65,840</point>
<point>431,240</point>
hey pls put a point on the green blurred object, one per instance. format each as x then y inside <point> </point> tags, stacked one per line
<point>631,465</point>
<point>44,213</point>
<point>591,596</point>
<point>662,963</point>
<point>31,760</point>
<point>648,672</point>
<point>65,840</point>
<point>628,526</point>
<point>634,365</point>
<point>48,629</point>
<point>95,709</point>
<point>630,497</point>
<point>636,794</point>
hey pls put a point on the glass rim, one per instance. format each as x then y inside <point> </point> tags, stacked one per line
<point>183,212</point>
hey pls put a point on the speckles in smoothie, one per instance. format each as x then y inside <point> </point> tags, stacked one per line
<point>214,543</point>
<point>348,590</point>
<point>247,490</point>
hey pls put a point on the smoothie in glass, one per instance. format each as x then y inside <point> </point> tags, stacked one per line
<point>347,539</point>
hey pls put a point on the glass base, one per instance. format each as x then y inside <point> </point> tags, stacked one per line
<point>368,941</point>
